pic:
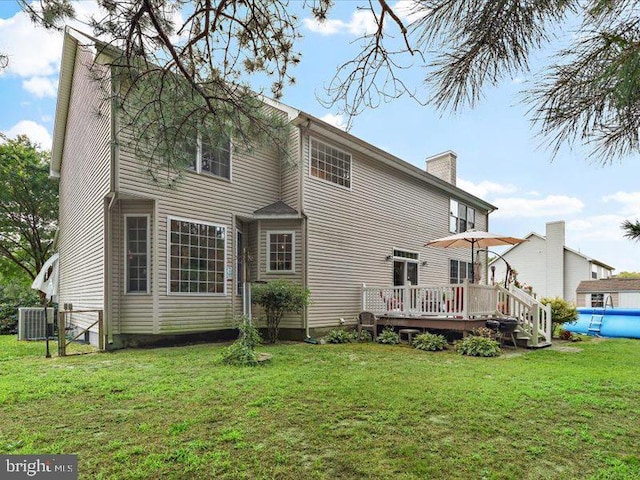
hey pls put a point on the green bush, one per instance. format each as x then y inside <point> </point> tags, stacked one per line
<point>243,351</point>
<point>277,298</point>
<point>430,342</point>
<point>389,337</point>
<point>561,311</point>
<point>11,298</point>
<point>365,336</point>
<point>475,346</point>
<point>338,335</point>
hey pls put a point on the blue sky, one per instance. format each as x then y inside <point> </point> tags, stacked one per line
<point>499,157</point>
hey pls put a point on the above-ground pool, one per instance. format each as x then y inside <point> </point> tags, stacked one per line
<point>607,322</point>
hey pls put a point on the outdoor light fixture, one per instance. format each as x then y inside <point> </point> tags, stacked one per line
<point>388,258</point>
<point>424,264</point>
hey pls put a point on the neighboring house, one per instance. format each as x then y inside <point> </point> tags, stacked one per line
<point>163,262</point>
<point>624,293</point>
<point>547,265</point>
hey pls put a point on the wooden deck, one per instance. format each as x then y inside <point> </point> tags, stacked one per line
<point>462,307</point>
<point>434,322</point>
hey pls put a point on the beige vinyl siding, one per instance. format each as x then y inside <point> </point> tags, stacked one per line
<point>291,172</point>
<point>136,309</point>
<point>290,320</point>
<point>84,183</point>
<point>202,198</point>
<point>576,269</point>
<point>351,232</point>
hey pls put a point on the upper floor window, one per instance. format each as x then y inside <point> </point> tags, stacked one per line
<point>330,164</point>
<point>196,257</point>
<point>137,253</point>
<point>461,217</point>
<point>281,252</point>
<point>212,156</point>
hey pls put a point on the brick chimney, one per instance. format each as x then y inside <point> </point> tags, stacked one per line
<point>443,166</point>
<point>555,259</point>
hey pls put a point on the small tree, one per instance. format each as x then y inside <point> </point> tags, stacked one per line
<point>561,311</point>
<point>277,298</point>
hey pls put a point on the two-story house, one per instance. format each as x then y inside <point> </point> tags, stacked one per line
<point>547,265</point>
<point>165,262</point>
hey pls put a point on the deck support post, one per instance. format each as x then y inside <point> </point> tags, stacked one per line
<point>61,335</point>
<point>535,314</point>
<point>465,298</point>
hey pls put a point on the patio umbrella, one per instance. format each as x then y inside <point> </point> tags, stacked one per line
<point>474,239</point>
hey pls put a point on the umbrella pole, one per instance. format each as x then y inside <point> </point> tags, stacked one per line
<point>473,273</point>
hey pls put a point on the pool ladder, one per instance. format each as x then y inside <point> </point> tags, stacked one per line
<point>595,323</point>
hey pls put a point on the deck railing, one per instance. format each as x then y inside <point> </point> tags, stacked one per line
<point>466,300</point>
<point>455,300</point>
<point>533,317</point>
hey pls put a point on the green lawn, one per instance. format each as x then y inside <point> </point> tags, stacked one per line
<point>331,411</point>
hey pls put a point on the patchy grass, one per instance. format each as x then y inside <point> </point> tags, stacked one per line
<point>331,411</point>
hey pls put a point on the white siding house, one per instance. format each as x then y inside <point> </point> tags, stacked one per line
<point>547,265</point>
<point>345,214</point>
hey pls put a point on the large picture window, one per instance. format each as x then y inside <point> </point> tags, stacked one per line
<point>136,254</point>
<point>212,157</point>
<point>461,217</point>
<point>330,164</point>
<point>281,252</point>
<point>459,270</point>
<point>197,253</point>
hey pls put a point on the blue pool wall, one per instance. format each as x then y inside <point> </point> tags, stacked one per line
<point>617,322</point>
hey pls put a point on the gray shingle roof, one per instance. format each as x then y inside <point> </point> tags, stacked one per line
<point>609,285</point>
<point>276,208</point>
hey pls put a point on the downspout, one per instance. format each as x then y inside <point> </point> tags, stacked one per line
<point>305,237</point>
<point>113,188</point>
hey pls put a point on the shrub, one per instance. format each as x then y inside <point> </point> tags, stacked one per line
<point>430,342</point>
<point>242,352</point>
<point>561,311</point>
<point>564,334</point>
<point>389,337</point>
<point>476,346</point>
<point>365,336</point>
<point>338,335</point>
<point>277,298</point>
<point>485,332</point>
<point>11,298</point>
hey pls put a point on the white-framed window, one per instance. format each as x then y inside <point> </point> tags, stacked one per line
<point>136,254</point>
<point>597,300</point>
<point>594,271</point>
<point>329,163</point>
<point>196,254</point>
<point>459,270</point>
<point>281,251</point>
<point>212,157</point>
<point>461,217</point>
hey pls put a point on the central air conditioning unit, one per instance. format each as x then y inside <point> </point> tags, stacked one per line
<point>32,324</point>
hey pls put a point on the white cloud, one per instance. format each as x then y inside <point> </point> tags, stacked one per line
<point>549,206</point>
<point>335,120</point>
<point>597,227</point>
<point>630,202</point>
<point>34,51</point>
<point>36,132</point>
<point>518,80</point>
<point>362,23</point>
<point>485,188</point>
<point>41,86</point>
<point>410,10</point>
